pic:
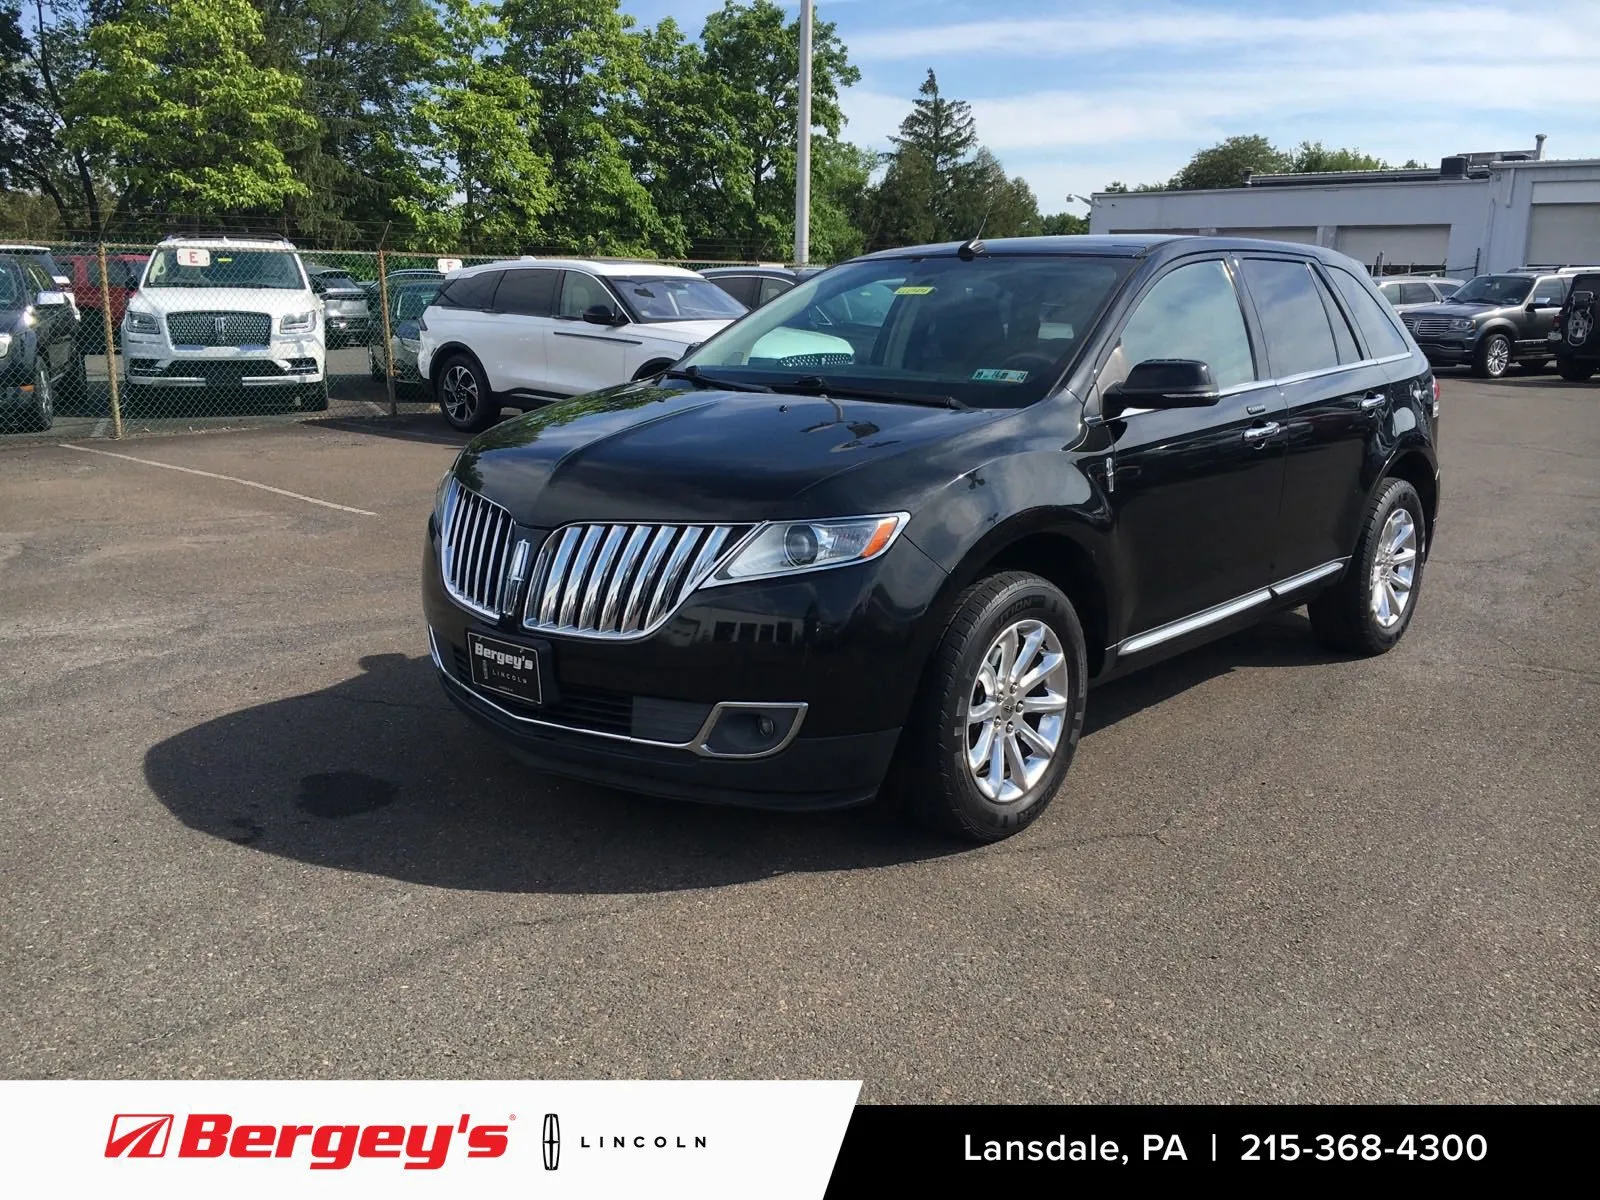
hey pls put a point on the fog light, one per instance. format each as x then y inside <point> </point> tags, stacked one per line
<point>765,726</point>
<point>744,730</point>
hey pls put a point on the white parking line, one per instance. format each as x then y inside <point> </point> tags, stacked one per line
<point>226,478</point>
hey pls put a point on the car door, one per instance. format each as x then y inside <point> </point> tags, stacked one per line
<point>522,312</point>
<point>466,315</point>
<point>1194,492</point>
<point>585,357</point>
<point>1335,397</point>
<point>1539,316</point>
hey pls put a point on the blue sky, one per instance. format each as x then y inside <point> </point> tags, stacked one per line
<point>1072,94</point>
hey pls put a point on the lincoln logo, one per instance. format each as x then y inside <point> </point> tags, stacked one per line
<point>552,1141</point>
<point>221,324</point>
<point>139,1135</point>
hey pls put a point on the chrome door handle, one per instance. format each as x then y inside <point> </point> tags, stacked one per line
<point>1262,432</point>
<point>1374,400</point>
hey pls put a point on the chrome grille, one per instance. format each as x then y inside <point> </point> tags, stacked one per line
<point>475,550</point>
<point>621,581</point>
<point>219,328</point>
<point>1429,326</point>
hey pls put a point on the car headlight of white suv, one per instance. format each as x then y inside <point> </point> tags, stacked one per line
<point>298,322</point>
<point>142,322</point>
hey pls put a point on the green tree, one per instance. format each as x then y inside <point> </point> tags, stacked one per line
<point>189,123</point>
<point>944,133</point>
<point>480,185</point>
<point>1063,223</point>
<point>1314,156</point>
<point>984,198</point>
<point>1226,164</point>
<point>673,149</point>
<point>840,183</point>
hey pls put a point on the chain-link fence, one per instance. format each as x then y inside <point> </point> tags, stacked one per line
<point>113,339</point>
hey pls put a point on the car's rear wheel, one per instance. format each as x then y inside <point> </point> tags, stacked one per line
<point>1493,357</point>
<point>464,396</point>
<point>1573,371</point>
<point>997,720</point>
<point>42,413</point>
<point>1370,608</point>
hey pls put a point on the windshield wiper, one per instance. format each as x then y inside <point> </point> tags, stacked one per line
<point>817,385</point>
<point>696,376</point>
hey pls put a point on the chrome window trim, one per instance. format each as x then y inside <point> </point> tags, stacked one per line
<point>1228,608</point>
<point>1259,384</point>
<point>695,745</point>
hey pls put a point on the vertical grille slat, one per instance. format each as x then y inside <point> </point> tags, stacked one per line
<point>621,581</point>
<point>475,550</point>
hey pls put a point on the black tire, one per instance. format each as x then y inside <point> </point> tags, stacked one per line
<point>467,409</point>
<point>41,413</point>
<point>314,397</point>
<point>651,369</point>
<point>374,367</point>
<point>932,779</point>
<point>1573,371</point>
<point>1493,357</point>
<point>1344,617</point>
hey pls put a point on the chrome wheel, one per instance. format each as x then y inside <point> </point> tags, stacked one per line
<point>1394,568</point>
<point>44,401</point>
<point>1017,710</point>
<point>1498,356</point>
<point>459,393</point>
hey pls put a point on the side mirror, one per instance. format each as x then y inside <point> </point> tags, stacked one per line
<point>601,314</point>
<point>51,299</point>
<point>1164,383</point>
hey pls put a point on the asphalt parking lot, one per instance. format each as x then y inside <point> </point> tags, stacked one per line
<point>242,832</point>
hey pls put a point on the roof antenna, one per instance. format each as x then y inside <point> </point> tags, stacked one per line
<point>973,246</point>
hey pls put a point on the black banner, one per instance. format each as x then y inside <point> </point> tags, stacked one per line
<point>1031,1150</point>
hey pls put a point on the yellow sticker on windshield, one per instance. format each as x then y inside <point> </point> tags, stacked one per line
<point>912,291</point>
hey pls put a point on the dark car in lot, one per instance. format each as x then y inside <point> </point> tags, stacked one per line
<point>1492,321</point>
<point>755,286</point>
<point>790,575</point>
<point>346,314</point>
<point>407,303</point>
<point>39,355</point>
<point>1576,338</point>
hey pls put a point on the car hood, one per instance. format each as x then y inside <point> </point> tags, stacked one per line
<point>276,301</point>
<point>1472,308</point>
<point>690,333</point>
<point>646,453</point>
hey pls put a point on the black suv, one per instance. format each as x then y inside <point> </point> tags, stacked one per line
<point>1575,338</point>
<point>39,354</point>
<point>1492,322</point>
<point>817,558</point>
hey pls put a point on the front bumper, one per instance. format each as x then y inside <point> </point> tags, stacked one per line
<point>348,325</point>
<point>1451,353</point>
<point>632,714</point>
<point>287,362</point>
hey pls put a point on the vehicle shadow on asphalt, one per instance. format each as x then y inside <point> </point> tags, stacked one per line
<point>379,774</point>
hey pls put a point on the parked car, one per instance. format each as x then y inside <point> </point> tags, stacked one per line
<point>1404,292</point>
<point>1576,336</point>
<point>225,313</point>
<point>122,277</point>
<point>396,278</point>
<point>347,316</point>
<point>407,303</point>
<point>39,356</point>
<point>46,260</point>
<point>1492,321</point>
<point>754,580</point>
<point>535,330</point>
<point>755,286</point>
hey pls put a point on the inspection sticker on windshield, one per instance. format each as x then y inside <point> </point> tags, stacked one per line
<point>194,256</point>
<point>913,291</point>
<point>996,375</point>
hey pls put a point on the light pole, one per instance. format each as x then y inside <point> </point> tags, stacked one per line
<point>1081,199</point>
<point>802,158</point>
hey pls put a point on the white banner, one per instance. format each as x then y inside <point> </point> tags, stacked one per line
<point>238,1139</point>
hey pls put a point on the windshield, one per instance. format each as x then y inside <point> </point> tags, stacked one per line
<point>1494,289</point>
<point>993,332</point>
<point>677,298</point>
<point>198,267</point>
<point>412,302</point>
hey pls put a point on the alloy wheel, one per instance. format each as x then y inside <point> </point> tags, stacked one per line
<point>1499,356</point>
<point>1394,568</point>
<point>43,399</point>
<point>460,393</point>
<point>1017,710</point>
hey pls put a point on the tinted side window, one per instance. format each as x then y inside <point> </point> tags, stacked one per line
<point>1416,293</point>
<point>40,278</point>
<point>1192,312</point>
<point>532,293</point>
<point>771,289</point>
<point>470,291</point>
<point>741,287</point>
<point>1374,321</point>
<point>1548,293</point>
<point>1343,336</point>
<point>1391,292</point>
<point>1299,337</point>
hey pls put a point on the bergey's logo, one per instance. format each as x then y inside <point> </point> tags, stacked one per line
<point>516,662</point>
<point>139,1135</point>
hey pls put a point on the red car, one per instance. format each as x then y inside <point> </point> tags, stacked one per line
<point>123,272</point>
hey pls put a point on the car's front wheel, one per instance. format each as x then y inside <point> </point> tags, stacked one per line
<point>997,720</point>
<point>1371,606</point>
<point>464,396</point>
<point>42,414</point>
<point>1493,357</point>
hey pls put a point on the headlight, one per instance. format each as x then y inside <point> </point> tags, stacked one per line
<point>1460,324</point>
<point>790,547</point>
<point>298,322</point>
<point>5,344</point>
<point>142,322</point>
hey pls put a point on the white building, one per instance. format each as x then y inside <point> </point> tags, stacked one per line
<point>1473,213</point>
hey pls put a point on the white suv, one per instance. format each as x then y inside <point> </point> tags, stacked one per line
<point>225,313</point>
<point>532,330</point>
